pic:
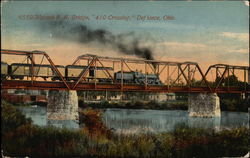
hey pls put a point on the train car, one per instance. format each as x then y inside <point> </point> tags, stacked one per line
<point>152,79</point>
<point>4,69</point>
<point>128,77</point>
<point>137,78</point>
<point>101,74</point>
<point>45,71</point>
<point>72,72</point>
<point>18,70</point>
<point>61,69</point>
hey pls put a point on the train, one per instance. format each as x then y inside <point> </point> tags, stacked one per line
<point>137,77</point>
<point>72,72</point>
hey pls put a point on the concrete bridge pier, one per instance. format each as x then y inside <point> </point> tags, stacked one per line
<point>204,105</point>
<point>62,109</point>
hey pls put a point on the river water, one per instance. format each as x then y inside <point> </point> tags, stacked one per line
<point>131,121</point>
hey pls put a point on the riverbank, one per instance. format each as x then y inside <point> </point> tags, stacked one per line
<point>225,105</point>
<point>21,138</point>
<point>174,105</point>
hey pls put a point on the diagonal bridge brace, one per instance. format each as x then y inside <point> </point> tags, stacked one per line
<point>85,71</point>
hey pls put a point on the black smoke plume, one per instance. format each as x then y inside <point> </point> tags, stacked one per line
<point>83,34</point>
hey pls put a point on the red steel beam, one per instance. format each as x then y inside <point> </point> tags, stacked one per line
<point>179,66</point>
<point>109,75</point>
<point>84,72</point>
<point>178,77</point>
<point>57,71</point>
<point>17,84</point>
<point>203,77</point>
<point>18,52</point>
<point>127,65</point>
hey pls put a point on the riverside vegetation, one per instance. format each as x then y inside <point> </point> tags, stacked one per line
<point>22,138</point>
<point>227,103</point>
<point>179,105</point>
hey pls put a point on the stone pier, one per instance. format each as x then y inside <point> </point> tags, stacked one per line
<point>62,108</point>
<point>204,105</point>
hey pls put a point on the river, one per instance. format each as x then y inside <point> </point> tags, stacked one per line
<point>140,120</point>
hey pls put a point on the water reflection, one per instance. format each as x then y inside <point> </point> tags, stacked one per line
<point>214,123</point>
<point>135,121</point>
<point>38,115</point>
<point>63,123</point>
<point>234,119</point>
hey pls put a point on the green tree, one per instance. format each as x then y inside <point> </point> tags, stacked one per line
<point>11,117</point>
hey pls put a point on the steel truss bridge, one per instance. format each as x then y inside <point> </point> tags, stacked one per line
<point>175,76</point>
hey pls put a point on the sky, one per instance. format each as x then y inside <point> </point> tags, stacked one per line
<point>207,32</point>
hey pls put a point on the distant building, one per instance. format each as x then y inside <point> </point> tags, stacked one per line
<point>11,91</point>
<point>100,97</point>
<point>87,96</point>
<point>116,97</point>
<point>23,96</point>
<point>33,92</point>
<point>20,92</point>
<point>170,96</point>
<point>181,96</point>
<point>161,97</point>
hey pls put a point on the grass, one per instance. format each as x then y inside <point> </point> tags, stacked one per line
<point>21,138</point>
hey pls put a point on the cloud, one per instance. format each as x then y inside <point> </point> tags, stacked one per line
<point>234,58</point>
<point>184,51</point>
<point>202,53</point>
<point>239,51</point>
<point>184,44</point>
<point>240,36</point>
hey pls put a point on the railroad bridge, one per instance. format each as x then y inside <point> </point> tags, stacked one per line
<point>97,73</point>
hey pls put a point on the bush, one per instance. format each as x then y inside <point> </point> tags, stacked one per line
<point>234,105</point>
<point>11,118</point>
<point>94,125</point>
<point>21,138</point>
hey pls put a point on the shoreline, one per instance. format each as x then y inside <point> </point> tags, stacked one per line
<point>173,105</point>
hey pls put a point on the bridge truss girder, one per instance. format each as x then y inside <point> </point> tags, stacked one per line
<point>188,71</point>
<point>223,71</point>
<point>154,65</point>
<point>31,56</point>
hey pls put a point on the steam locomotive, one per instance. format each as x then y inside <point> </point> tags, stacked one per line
<point>137,77</point>
<point>72,72</point>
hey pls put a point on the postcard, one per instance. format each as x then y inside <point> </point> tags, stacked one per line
<point>125,78</point>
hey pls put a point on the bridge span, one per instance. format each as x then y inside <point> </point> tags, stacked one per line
<point>97,73</point>
<point>172,76</point>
